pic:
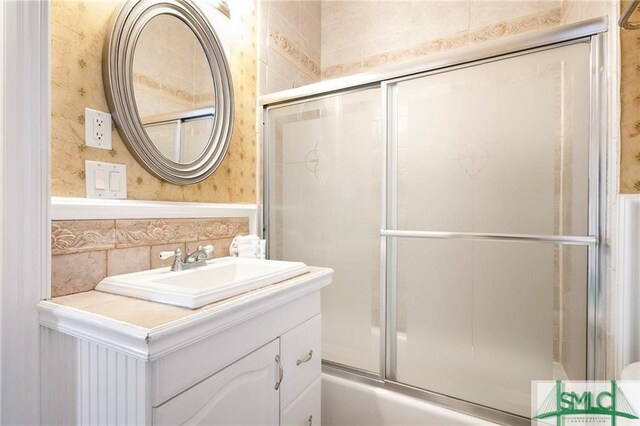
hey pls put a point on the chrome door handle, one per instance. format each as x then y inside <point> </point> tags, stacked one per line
<point>280,372</point>
<point>305,358</point>
<point>310,421</point>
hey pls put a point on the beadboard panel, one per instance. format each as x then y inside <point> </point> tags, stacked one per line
<point>85,383</point>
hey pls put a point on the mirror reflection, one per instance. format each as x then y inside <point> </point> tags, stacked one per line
<point>173,89</point>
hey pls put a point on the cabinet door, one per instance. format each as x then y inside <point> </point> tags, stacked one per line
<point>243,393</point>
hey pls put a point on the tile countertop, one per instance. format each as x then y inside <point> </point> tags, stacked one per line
<point>147,329</point>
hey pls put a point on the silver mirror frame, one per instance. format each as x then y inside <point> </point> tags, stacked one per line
<point>117,70</point>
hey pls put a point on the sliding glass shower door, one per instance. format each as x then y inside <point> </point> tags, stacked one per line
<point>487,161</point>
<point>324,163</point>
<point>457,209</point>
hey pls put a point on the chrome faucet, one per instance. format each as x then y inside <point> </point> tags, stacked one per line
<point>192,260</point>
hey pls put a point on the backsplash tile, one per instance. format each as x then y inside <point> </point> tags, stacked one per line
<point>76,236</point>
<point>211,229</point>
<point>132,233</point>
<point>77,272</point>
<point>86,251</point>
<point>126,260</point>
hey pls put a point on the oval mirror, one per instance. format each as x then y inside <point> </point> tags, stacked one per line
<point>169,88</point>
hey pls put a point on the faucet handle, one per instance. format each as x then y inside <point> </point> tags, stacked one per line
<point>208,250</point>
<point>167,254</point>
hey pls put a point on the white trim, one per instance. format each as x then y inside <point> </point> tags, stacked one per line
<point>2,244</point>
<point>612,253</point>
<point>25,192</point>
<point>628,290</point>
<point>151,344</point>
<point>63,208</point>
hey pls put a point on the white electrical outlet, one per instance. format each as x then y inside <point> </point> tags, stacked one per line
<point>97,128</point>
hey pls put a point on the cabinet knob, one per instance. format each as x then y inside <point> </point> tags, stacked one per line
<point>310,421</point>
<point>305,358</point>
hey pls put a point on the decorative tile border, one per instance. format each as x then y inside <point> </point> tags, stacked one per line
<point>85,251</point>
<point>548,18</point>
<point>291,50</point>
<point>81,236</point>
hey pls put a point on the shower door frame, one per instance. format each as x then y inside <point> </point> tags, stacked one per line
<point>592,32</point>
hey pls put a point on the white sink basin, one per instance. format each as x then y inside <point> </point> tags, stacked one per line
<point>220,279</point>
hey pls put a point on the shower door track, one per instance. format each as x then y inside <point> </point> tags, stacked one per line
<point>591,32</point>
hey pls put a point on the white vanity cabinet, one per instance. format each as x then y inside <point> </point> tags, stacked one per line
<point>252,360</point>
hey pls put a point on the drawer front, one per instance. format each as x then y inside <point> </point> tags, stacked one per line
<point>304,410</point>
<point>301,354</point>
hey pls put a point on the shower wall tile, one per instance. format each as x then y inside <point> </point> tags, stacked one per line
<point>483,13</point>
<point>430,20</point>
<point>86,251</point>
<point>358,36</point>
<point>289,52</point>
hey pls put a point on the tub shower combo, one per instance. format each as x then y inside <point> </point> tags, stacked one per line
<point>458,201</point>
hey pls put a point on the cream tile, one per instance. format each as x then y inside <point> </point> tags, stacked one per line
<point>284,16</point>
<point>388,43</point>
<point>437,19</point>
<point>312,8</point>
<point>283,65</point>
<point>124,261</point>
<point>78,272</point>
<point>582,10</point>
<point>343,55</point>
<point>276,82</point>
<point>487,12</point>
<point>311,29</point>
<point>340,33</point>
<point>288,10</point>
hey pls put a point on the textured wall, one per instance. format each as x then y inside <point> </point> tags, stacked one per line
<point>78,30</point>
<point>630,109</point>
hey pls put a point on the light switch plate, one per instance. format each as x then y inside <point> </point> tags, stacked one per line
<point>97,128</point>
<point>105,180</point>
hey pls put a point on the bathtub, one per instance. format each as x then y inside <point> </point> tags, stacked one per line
<point>346,403</point>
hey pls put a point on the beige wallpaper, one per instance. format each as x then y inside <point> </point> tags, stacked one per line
<point>78,30</point>
<point>630,109</point>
